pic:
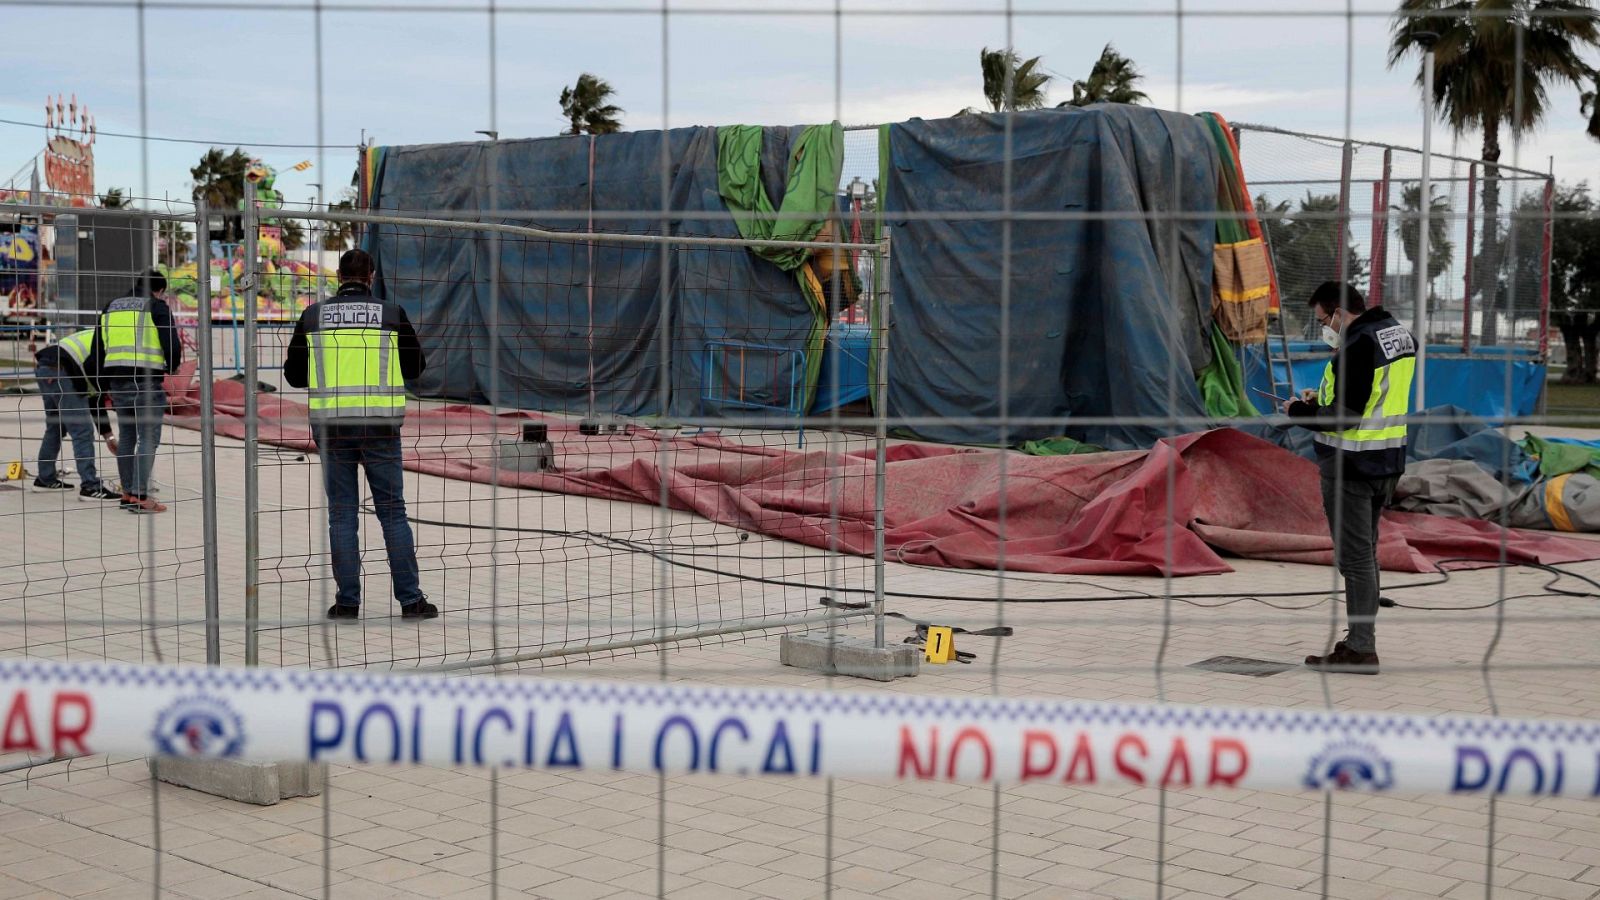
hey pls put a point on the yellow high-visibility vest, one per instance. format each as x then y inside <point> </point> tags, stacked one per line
<point>354,373</point>
<point>1382,424</point>
<point>129,333</point>
<point>77,345</point>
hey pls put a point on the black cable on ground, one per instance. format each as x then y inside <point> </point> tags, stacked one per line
<point>665,553</point>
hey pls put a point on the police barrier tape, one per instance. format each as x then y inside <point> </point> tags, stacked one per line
<point>61,709</point>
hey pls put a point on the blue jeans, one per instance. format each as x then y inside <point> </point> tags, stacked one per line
<point>343,449</point>
<point>140,403</point>
<point>65,409</point>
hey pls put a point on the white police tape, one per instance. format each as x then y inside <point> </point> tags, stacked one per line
<point>62,709</point>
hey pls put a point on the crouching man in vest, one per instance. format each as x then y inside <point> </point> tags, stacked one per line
<point>1359,419</point>
<point>135,346</point>
<point>71,406</point>
<point>353,353</point>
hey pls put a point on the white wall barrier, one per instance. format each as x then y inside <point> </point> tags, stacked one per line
<point>62,709</point>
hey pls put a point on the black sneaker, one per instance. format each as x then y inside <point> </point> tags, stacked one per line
<point>421,609</point>
<point>53,484</point>
<point>98,492</point>
<point>341,611</point>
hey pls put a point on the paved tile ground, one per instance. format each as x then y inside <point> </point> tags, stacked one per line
<point>89,582</point>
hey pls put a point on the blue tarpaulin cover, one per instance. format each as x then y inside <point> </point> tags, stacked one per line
<point>1108,313</point>
<point>720,298</point>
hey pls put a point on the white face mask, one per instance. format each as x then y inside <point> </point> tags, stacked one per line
<point>1330,337</point>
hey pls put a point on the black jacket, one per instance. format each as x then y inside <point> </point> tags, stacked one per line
<point>1373,340</point>
<point>412,362</point>
<point>166,331</point>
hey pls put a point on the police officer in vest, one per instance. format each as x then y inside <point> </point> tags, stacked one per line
<point>1358,415</point>
<point>71,405</point>
<point>135,346</point>
<point>354,353</point>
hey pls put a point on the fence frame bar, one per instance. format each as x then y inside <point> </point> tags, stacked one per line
<point>252,436</point>
<point>208,437</point>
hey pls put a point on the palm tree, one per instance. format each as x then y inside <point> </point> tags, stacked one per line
<point>1441,251</point>
<point>1589,108</point>
<point>1305,249</point>
<point>219,180</point>
<point>294,235</point>
<point>115,198</point>
<point>1111,80</point>
<point>584,104</point>
<point>1494,61</point>
<point>1025,87</point>
<point>340,236</point>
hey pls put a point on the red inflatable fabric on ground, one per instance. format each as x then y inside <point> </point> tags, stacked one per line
<point>1095,514</point>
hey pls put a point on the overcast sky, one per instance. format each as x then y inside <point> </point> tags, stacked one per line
<point>246,77</point>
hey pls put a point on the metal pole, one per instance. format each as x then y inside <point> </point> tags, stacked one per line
<point>1380,231</point>
<point>252,481</point>
<point>1466,302</point>
<point>1342,239</point>
<point>588,281</point>
<point>1545,241</point>
<point>880,461</point>
<point>1419,320</point>
<point>208,439</point>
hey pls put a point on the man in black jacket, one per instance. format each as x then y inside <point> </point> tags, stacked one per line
<point>1359,416</point>
<point>136,345</point>
<point>353,353</point>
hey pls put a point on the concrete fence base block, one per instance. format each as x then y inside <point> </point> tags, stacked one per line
<point>247,782</point>
<point>849,656</point>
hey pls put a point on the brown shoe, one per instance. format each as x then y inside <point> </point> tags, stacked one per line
<point>144,506</point>
<point>1345,660</point>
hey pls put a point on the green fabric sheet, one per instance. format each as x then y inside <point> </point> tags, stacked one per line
<point>1058,446</point>
<point>1222,382</point>
<point>815,164</point>
<point>1561,459</point>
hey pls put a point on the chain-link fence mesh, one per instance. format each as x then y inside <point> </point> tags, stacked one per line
<point>653,444</point>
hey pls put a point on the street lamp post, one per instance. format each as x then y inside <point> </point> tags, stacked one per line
<point>314,246</point>
<point>1425,208</point>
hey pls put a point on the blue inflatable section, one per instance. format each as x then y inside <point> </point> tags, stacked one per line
<point>1491,383</point>
<point>1441,432</point>
<point>845,362</point>
<point>1109,293</point>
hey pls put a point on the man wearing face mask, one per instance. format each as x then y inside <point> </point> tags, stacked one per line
<point>1358,414</point>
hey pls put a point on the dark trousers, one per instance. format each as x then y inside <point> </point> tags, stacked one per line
<point>65,410</point>
<point>344,449</point>
<point>1354,508</point>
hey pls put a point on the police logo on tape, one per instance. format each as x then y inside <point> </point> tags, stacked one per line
<point>1349,766</point>
<point>199,727</point>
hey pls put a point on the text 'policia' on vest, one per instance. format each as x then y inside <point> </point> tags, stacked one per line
<point>1373,443</point>
<point>354,371</point>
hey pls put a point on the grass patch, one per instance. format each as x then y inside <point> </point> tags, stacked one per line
<point>1574,400</point>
